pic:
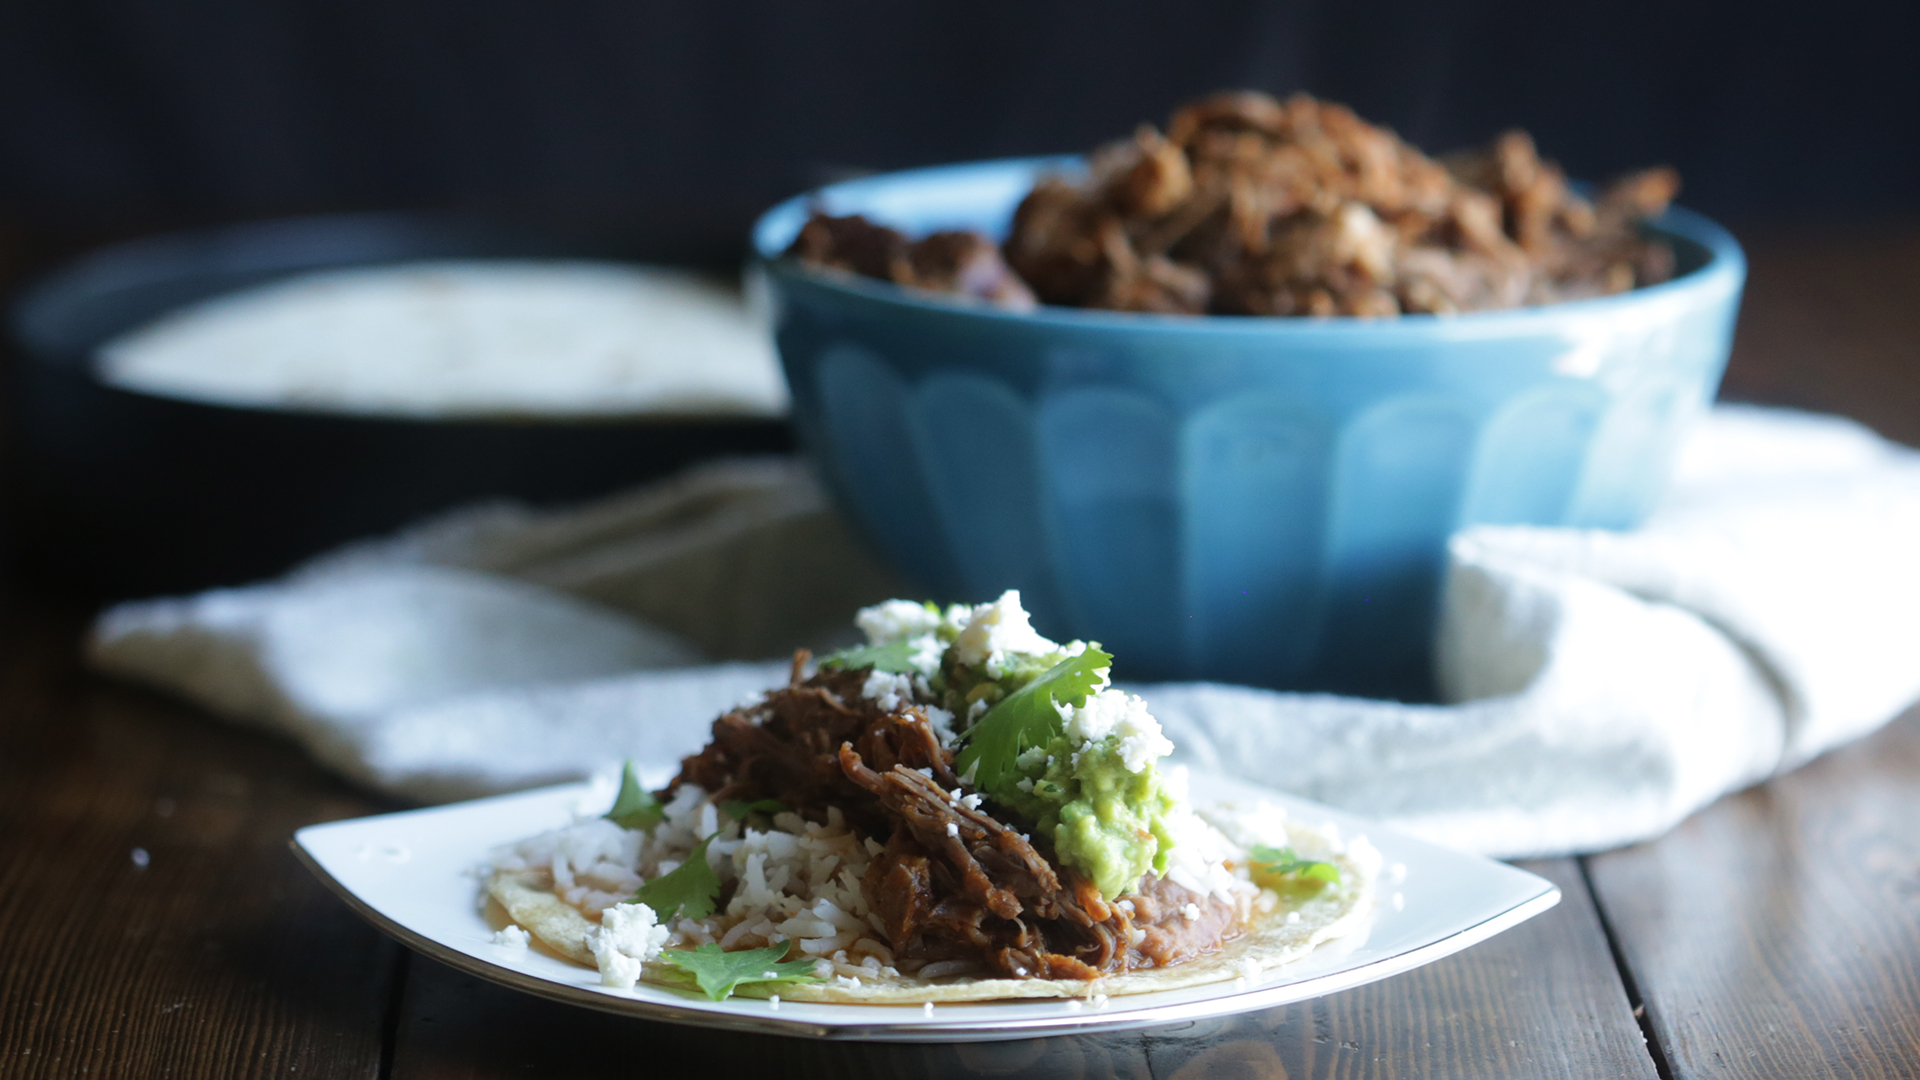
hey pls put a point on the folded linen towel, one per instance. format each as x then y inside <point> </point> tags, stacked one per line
<point>1604,685</point>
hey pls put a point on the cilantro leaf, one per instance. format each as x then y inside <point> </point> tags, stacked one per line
<point>1027,717</point>
<point>1271,865</point>
<point>718,971</point>
<point>738,809</point>
<point>896,658</point>
<point>690,890</point>
<point>635,807</point>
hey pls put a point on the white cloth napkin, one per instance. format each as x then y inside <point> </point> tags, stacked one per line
<point>1603,685</point>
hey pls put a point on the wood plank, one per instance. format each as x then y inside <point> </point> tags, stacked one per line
<point>453,1025</point>
<point>1540,1001</point>
<point>1777,933</point>
<point>221,956</point>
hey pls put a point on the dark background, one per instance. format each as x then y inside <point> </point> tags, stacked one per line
<point>660,131</point>
<point>674,124</point>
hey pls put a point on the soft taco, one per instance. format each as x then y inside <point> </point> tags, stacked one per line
<point>961,810</point>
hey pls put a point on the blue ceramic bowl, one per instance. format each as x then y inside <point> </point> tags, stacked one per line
<point>1256,500</point>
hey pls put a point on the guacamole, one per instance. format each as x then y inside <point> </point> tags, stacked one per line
<point>1077,762</point>
<point>1103,819</point>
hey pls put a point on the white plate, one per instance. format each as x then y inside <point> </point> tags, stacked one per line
<point>412,875</point>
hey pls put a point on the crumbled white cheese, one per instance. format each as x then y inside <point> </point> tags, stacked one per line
<point>971,802</point>
<point>1122,717</point>
<point>629,936</point>
<point>512,937</point>
<point>994,631</point>
<point>1200,854</point>
<point>927,652</point>
<point>941,721</point>
<point>953,830</point>
<point>1175,780</point>
<point>1362,853</point>
<point>1190,913</point>
<point>889,691</point>
<point>896,620</point>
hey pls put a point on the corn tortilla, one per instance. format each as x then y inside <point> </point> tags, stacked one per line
<point>1332,912</point>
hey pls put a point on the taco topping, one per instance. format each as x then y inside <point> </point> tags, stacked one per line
<point>957,878</point>
<point>960,797</point>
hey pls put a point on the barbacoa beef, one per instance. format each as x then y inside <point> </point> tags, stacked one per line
<point>954,261</point>
<point>1247,205</point>
<point>952,882</point>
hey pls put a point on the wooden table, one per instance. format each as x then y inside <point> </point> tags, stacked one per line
<point>153,922</point>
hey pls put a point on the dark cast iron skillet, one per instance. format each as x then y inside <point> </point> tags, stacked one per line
<point>115,493</point>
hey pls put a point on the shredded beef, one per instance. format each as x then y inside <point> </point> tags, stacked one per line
<point>787,748</point>
<point>952,882</point>
<point>1252,206</point>
<point>955,261</point>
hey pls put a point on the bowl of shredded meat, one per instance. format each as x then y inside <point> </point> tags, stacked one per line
<point>1219,392</point>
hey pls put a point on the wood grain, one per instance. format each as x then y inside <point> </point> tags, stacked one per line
<point>221,956</point>
<point>1777,933</point>
<point>1542,1001</point>
<point>457,1027</point>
